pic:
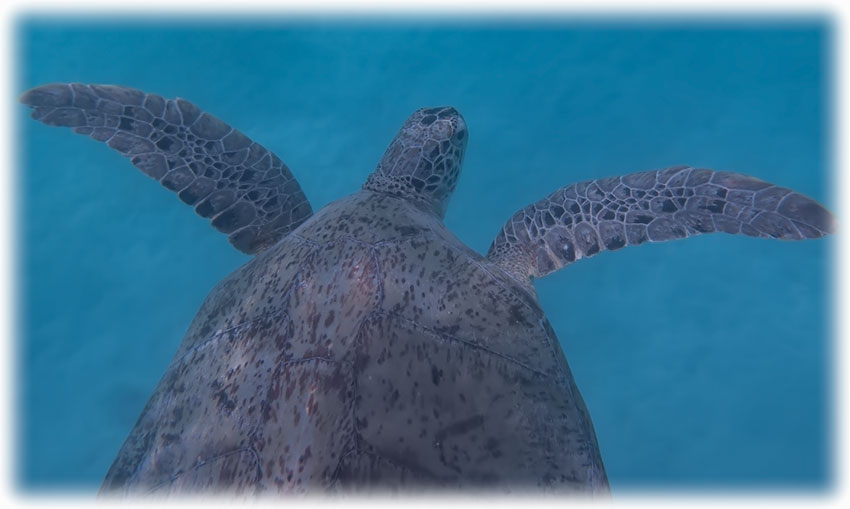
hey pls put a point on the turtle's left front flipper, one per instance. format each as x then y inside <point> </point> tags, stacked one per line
<point>583,219</point>
<point>245,190</point>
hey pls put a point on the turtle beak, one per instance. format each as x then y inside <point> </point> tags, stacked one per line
<point>459,132</point>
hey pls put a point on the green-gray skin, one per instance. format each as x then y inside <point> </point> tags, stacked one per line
<point>364,346</point>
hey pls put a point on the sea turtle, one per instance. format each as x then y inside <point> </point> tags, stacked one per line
<point>364,346</point>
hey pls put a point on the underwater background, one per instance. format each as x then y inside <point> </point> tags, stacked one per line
<point>705,363</point>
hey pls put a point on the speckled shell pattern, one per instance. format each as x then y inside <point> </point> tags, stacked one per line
<point>368,350</point>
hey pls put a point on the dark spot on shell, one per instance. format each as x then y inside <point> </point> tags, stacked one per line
<point>436,375</point>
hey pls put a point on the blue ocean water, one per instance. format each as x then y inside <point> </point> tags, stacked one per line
<point>704,363</point>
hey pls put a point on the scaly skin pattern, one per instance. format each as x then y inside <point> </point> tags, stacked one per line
<point>245,190</point>
<point>369,350</point>
<point>583,219</point>
<point>423,162</point>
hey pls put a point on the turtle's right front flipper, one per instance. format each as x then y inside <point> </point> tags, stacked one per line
<point>245,190</point>
<point>584,219</point>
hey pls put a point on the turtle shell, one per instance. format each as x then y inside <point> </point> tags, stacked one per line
<point>369,349</point>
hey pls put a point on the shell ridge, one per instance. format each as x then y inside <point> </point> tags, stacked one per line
<point>560,375</point>
<point>208,461</point>
<point>380,243</point>
<point>353,443</point>
<point>209,339</point>
<point>272,314</point>
<point>442,335</point>
<point>214,336</point>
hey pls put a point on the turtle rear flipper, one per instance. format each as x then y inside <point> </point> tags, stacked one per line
<point>245,190</point>
<point>584,219</point>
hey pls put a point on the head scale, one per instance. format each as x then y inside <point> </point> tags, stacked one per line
<point>424,159</point>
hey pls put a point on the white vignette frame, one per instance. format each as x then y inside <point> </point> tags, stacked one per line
<point>835,11</point>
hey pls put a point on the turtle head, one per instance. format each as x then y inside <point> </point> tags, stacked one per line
<point>424,159</point>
